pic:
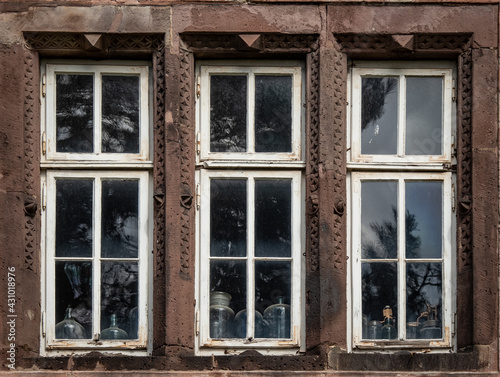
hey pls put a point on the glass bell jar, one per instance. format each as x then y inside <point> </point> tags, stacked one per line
<point>68,328</point>
<point>240,324</point>
<point>277,317</point>
<point>113,331</point>
<point>221,315</point>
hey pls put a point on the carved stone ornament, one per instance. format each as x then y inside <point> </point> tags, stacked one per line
<point>61,44</point>
<point>403,42</point>
<point>301,43</point>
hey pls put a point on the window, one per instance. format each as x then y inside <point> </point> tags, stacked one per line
<point>402,204</point>
<point>96,188</point>
<point>250,207</point>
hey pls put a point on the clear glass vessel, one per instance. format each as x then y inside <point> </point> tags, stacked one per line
<point>68,328</point>
<point>221,315</point>
<point>240,324</point>
<point>277,318</point>
<point>113,331</point>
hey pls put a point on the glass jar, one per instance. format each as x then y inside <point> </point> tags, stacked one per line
<point>221,315</point>
<point>68,328</point>
<point>240,324</point>
<point>113,331</point>
<point>277,318</point>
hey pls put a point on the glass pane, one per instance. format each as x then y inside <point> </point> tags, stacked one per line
<point>273,218</point>
<point>379,219</point>
<point>273,113</point>
<point>424,219</point>
<point>424,300</point>
<point>120,228</point>
<point>379,115</point>
<point>228,296</point>
<point>273,295</point>
<point>73,300</point>
<point>424,115</point>
<point>380,304</point>
<point>119,297</point>
<point>75,113</point>
<point>120,114</point>
<point>228,217</point>
<point>74,217</point>
<point>228,113</point>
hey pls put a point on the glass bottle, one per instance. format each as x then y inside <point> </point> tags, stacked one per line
<point>388,329</point>
<point>113,331</point>
<point>221,315</point>
<point>373,331</point>
<point>277,317</point>
<point>240,324</point>
<point>68,328</point>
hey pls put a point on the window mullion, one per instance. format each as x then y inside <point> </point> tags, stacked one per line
<point>401,148</point>
<point>251,112</point>
<point>97,112</point>
<point>401,317</point>
<point>96,271</point>
<point>251,257</point>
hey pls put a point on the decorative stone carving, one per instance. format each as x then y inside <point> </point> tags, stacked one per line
<point>339,171</point>
<point>187,157</point>
<point>464,159</point>
<point>30,158</point>
<point>398,42</point>
<point>159,157</point>
<point>313,161</point>
<point>80,42</point>
<point>264,42</point>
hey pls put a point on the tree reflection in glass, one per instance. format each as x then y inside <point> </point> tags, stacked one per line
<point>120,114</point>
<point>228,113</point>
<point>228,217</point>
<point>423,279</point>
<point>75,113</point>
<point>379,115</point>
<point>74,201</point>
<point>119,225</point>
<point>273,113</point>
<point>119,295</point>
<point>74,289</point>
<point>273,218</point>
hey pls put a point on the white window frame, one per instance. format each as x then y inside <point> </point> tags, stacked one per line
<point>97,71</point>
<point>97,166</point>
<point>96,259</point>
<point>249,165</point>
<point>402,70</point>
<point>295,258</point>
<point>251,70</point>
<point>447,258</point>
<point>401,167</point>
